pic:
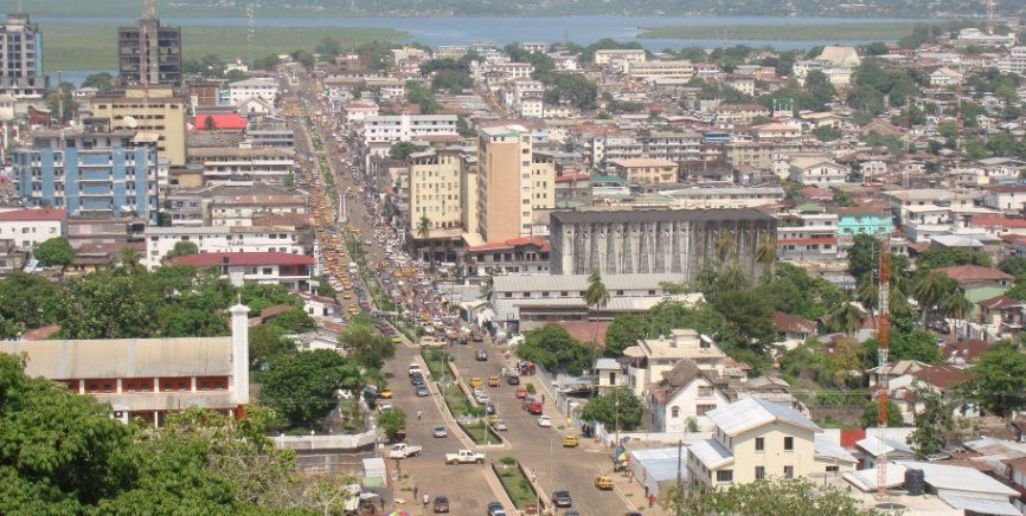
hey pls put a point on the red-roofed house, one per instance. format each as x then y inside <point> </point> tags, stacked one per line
<point>30,227</point>
<point>291,270</point>
<point>523,254</point>
<point>963,352</point>
<point>794,328</point>
<point>1003,314</point>
<point>904,389</point>
<point>977,282</point>
<point>218,122</point>
<point>997,225</point>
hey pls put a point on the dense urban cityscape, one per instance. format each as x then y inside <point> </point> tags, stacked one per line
<point>727,280</point>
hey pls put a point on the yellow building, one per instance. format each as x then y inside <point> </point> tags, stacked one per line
<point>543,182</point>
<point>504,183</point>
<point>435,191</point>
<point>645,171</point>
<point>154,108</point>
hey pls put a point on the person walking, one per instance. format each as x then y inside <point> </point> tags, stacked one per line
<point>418,415</point>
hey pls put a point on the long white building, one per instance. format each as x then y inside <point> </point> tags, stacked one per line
<point>403,128</point>
<point>264,88</point>
<point>221,239</point>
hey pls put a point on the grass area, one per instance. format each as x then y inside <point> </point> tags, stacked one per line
<point>94,47</point>
<point>458,402</point>
<point>435,361</point>
<point>516,485</point>
<point>883,31</point>
<point>353,422</point>
<point>481,433</point>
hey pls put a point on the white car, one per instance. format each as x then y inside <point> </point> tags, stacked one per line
<point>544,421</point>
<point>482,399</point>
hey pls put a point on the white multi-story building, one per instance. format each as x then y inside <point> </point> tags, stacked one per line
<point>1014,62</point>
<point>264,88</point>
<point>221,239</point>
<point>527,98</point>
<point>680,69</point>
<point>614,55</point>
<point>817,171</point>
<point>275,268</point>
<point>391,129</point>
<point>30,227</point>
<point>221,165</point>
<point>724,198</point>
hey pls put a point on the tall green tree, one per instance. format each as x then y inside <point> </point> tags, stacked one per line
<point>617,407</point>
<point>301,387</point>
<point>392,422</point>
<point>998,380</point>
<point>871,415</point>
<point>553,347</point>
<point>54,252</point>
<point>183,248</point>
<point>934,424</point>
<point>846,316</point>
<point>366,345</point>
<point>775,496</point>
<point>27,301</point>
<point>596,295</point>
<point>106,306</point>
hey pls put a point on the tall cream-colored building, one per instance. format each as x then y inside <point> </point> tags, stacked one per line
<point>154,108</point>
<point>512,183</point>
<point>435,191</point>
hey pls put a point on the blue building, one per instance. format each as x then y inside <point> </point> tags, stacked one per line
<point>864,220</point>
<point>90,171</point>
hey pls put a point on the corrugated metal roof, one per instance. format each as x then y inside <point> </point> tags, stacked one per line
<point>750,413</point>
<point>579,282</point>
<point>711,453</point>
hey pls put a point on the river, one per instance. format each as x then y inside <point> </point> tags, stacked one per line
<point>436,31</point>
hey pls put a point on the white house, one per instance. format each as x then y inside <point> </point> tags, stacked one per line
<point>30,227</point>
<point>265,88</point>
<point>817,171</point>
<point>266,268</point>
<point>681,401</point>
<point>945,77</point>
<point>651,358</point>
<point>220,239</point>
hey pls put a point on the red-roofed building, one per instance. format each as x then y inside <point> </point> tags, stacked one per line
<point>793,327</point>
<point>1003,314</point>
<point>218,122</point>
<point>963,352</point>
<point>807,248</point>
<point>523,254</point>
<point>997,225</point>
<point>291,270</point>
<point>30,227</point>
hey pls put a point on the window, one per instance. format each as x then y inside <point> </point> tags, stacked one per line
<point>760,472</point>
<point>675,412</point>
<point>704,391</point>
<point>788,471</point>
<point>760,444</point>
<point>789,444</point>
<point>726,475</point>
<point>833,469</point>
<point>702,409</point>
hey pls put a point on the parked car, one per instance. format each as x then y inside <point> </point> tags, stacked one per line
<point>562,499</point>
<point>441,504</point>
<point>495,508</point>
<point>512,380</point>
<point>544,421</point>
<point>481,355</point>
<point>423,391</point>
<point>500,426</point>
<point>489,408</point>
<point>440,432</point>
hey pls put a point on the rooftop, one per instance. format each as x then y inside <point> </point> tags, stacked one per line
<point>264,258</point>
<point>973,273</point>
<point>750,413</point>
<point>33,215</point>
<point>658,215</point>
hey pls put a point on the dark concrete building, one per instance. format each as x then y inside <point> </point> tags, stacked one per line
<point>149,53</point>
<point>658,240</point>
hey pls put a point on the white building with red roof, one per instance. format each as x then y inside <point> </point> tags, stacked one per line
<point>290,270</point>
<point>30,227</point>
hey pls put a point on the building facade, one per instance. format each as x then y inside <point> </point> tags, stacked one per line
<point>89,172</point>
<point>512,182</point>
<point>21,58</point>
<point>222,239</point>
<point>150,53</point>
<point>155,109</point>
<point>271,165</point>
<point>679,242</point>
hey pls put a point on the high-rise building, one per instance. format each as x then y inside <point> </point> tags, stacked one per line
<point>512,182</point>
<point>149,53</point>
<point>21,58</point>
<point>90,171</point>
<point>154,109</point>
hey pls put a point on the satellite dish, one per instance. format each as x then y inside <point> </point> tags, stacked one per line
<point>131,122</point>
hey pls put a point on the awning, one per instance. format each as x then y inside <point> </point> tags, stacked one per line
<point>634,352</point>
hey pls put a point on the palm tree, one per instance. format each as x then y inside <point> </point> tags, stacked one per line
<point>596,295</point>
<point>868,293</point>
<point>732,278</point>
<point>487,283</point>
<point>724,244</point>
<point>130,257</point>
<point>930,290</point>
<point>956,306</point>
<point>423,231</point>
<point>846,316</point>
<point>766,252</point>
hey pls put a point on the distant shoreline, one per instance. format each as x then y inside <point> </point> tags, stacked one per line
<point>839,31</point>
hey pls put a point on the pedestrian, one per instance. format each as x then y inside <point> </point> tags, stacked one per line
<point>651,500</point>
<point>418,415</point>
<point>426,499</point>
<point>414,492</point>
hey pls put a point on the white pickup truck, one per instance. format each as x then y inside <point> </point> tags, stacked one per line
<point>403,450</point>
<point>465,457</point>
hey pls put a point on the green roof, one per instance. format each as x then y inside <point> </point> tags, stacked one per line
<point>810,207</point>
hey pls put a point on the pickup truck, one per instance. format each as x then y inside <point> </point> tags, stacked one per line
<point>465,457</point>
<point>403,450</point>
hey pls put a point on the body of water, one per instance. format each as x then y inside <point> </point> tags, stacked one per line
<point>436,31</point>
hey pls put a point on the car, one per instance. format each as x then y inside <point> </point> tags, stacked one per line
<point>544,421</point>
<point>521,392</point>
<point>441,504</point>
<point>500,425</point>
<point>493,381</point>
<point>481,355</point>
<point>571,441</point>
<point>489,408</point>
<point>475,382</point>
<point>385,394</point>
<point>513,380</point>
<point>571,513</point>
<point>562,499</point>
<point>603,483</point>
<point>440,432</point>
<point>423,391</point>
<point>417,381</point>
<point>494,507</point>
<point>397,340</point>
<point>387,405</point>
<point>482,399</point>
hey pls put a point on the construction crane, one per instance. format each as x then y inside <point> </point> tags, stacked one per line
<point>883,335</point>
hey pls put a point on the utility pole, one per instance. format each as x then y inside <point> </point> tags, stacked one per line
<point>884,337</point>
<point>680,482</point>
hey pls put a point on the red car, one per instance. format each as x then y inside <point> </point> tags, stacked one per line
<point>535,408</point>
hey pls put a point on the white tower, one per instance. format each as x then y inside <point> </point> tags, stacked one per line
<point>240,353</point>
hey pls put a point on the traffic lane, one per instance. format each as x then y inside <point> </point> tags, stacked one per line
<point>539,448</point>
<point>465,485</point>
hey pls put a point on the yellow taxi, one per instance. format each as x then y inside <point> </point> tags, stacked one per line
<point>347,295</point>
<point>397,340</point>
<point>475,382</point>
<point>493,381</point>
<point>385,394</point>
<point>604,483</point>
<point>571,441</point>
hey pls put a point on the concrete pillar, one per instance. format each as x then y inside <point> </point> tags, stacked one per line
<point>81,386</point>
<point>192,384</point>
<point>240,353</point>
<point>117,386</point>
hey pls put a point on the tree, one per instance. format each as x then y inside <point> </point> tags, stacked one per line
<point>918,345</point>
<point>130,261</point>
<point>998,380</point>
<point>402,150</point>
<point>846,316</point>
<point>294,321</point>
<point>106,306</point>
<point>862,256</point>
<point>424,227</point>
<point>931,289</point>
<point>766,252</point>
<point>596,295</point>
<point>392,421</point>
<point>553,347</point>
<point>571,89</point>
<point>776,496</point>
<point>183,248</point>
<point>54,252</point>
<point>301,387</point>
<point>416,93</point>
<point>625,331</point>
<point>617,407</point>
<point>328,47</point>
<point>208,123</point>
<point>266,343</point>
<point>934,424</point>
<point>268,62</point>
<point>871,415</point>
<point>102,81</point>
<point>27,301</point>
<point>366,345</point>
